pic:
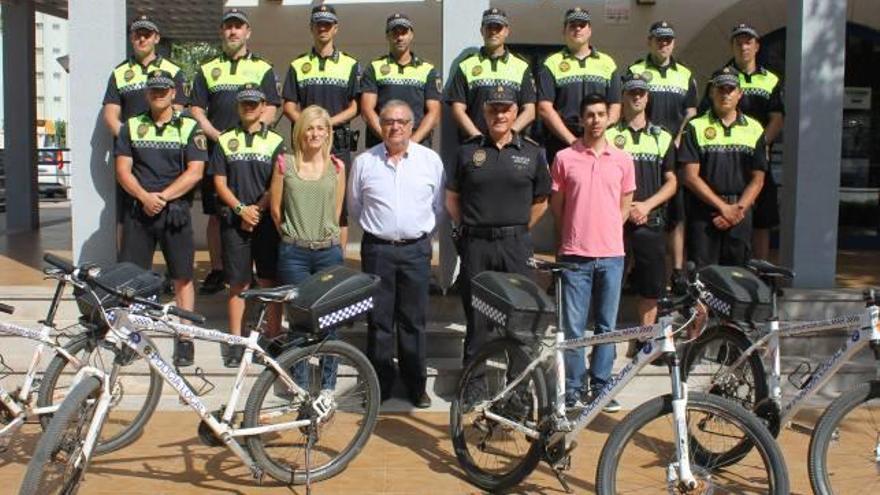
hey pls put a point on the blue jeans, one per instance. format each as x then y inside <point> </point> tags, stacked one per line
<point>597,280</point>
<point>296,264</point>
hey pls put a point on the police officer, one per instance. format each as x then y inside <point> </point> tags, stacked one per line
<point>327,77</point>
<point>653,152</point>
<point>724,160</point>
<point>401,75</point>
<point>673,102</point>
<point>160,156</point>
<point>565,77</point>
<point>214,106</point>
<point>241,165</point>
<point>496,192</point>
<point>477,76</point>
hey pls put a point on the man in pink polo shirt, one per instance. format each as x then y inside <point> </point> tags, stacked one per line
<point>593,185</point>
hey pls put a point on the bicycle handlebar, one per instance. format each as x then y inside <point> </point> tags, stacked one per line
<point>550,266</point>
<point>59,263</point>
<point>7,308</point>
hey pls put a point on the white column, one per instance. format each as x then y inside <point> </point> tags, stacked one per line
<point>815,47</point>
<point>20,116</point>
<point>98,43</point>
<point>461,32</point>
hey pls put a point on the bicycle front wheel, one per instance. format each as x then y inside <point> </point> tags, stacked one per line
<point>58,464</point>
<point>845,447</point>
<point>640,454</point>
<point>136,392</point>
<point>342,378</point>
<point>496,455</point>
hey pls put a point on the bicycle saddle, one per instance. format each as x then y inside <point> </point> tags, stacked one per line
<point>764,268</point>
<point>272,294</point>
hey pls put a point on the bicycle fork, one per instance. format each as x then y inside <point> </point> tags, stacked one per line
<point>679,471</point>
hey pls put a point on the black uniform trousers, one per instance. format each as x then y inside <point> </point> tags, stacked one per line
<point>501,249</point>
<point>342,148</point>
<point>706,245</point>
<point>400,304</point>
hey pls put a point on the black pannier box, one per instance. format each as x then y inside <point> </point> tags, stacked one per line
<point>330,298</point>
<point>123,277</point>
<point>514,303</point>
<point>736,293</point>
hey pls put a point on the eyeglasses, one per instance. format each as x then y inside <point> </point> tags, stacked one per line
<point>391,122</point>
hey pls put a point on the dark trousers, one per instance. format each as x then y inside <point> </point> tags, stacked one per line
<point>478,254</point>
<point>400,304</point>
<point>343,152</point>
<point>706,245</point>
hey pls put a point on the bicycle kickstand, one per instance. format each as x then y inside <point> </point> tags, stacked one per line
<point>560,476</point>
<point>309,443</point>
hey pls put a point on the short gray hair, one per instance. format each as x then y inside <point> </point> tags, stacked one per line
<point>397,103</point>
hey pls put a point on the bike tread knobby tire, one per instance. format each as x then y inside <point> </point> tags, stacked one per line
<point>122,439</point>
<point>609,460</point>
<point>826,426</point>
<point>50,438</point>
<point>262,388</point>
<point>492,482</point>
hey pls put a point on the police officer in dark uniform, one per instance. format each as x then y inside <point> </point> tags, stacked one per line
<point>653,152</point>
<point>477,76</point>
<point>724,159</point>
<point>160,156</point>
<point>496,192</point>
<point>327,77</point>
<point>401,75</point>
<point>565,77</point>
<point>214,106</point>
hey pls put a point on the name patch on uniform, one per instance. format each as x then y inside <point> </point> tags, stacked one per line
<point>200,141</point>
<point>233,145</point>
<point>129,75</point>
<point>709,133</point>
<point>476,71</point>
<point>563,66</point>
<point>385,69</point>
<point>647,76</point>
<point>620,141</point>
<point>520,161</point>
<point>306,68</point>
<point>142,130</point>
<point>479,157</point>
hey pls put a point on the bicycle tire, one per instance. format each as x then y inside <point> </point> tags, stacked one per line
<point>128,431</point>
<point>356,369</point>
<point>75,411</point>
<point>619,467</point>
<point>505,354</point>
<point>829,432</point>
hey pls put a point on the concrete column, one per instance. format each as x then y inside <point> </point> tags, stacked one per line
<point>98,41</point>
<point>460,26</point>
<point>20,116</point>
<point>815,47</point>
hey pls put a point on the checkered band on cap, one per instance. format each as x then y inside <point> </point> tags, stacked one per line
<point>725,77</point>
<point>345,314</point>
<point>495,16</point>
<point>143,22</point>
<point>324,13</point>
<point>577,14</point>
<point>160,79</point>
<point>662,29</point>
<point>634,81</point>
<point>743,28</point>
<point>250,92</point>
<point>396,21</point>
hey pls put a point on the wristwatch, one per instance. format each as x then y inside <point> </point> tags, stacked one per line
<point>239,208</point>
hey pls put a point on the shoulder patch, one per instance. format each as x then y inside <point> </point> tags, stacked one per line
<point>200,140</point>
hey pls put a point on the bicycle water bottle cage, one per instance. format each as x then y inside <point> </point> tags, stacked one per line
<point>800,377</point>
<point>206,385</point>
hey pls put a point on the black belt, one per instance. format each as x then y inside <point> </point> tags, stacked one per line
<point>368,237</point>
<point>493,232</point>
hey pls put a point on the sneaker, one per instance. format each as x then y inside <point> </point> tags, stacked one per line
<point>184,353</point>
<point>612,407</point>
<point>574,404</point>
<point>213,283</point>
<point>233,356</point>
<point>678,283</point>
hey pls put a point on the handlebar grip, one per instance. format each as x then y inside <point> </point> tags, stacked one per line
<point>7,308</point>
<point>186,315</point>
<point>59,262</point>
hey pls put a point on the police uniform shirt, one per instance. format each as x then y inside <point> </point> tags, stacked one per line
<point>127,86</point>
<point>217,83</point>
<point>246,160</point>
<point>156,151</point>
<point>727,155</point>
<point>414,83</point>
<point>478,75</point>
<point>673,90</point>
<point>565,79</point>
<point>652,151</point>
<point>498,187</point>
<point>330,82</point>
<point>762,94</point>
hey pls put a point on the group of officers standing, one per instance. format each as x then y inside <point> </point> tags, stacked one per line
<point>632,141</point>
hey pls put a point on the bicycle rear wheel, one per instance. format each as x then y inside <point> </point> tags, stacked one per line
<point>332,370</point>
<point>496,456</point>
<point>640,453</point>
<point>845,447</point>
<point>57,465</point>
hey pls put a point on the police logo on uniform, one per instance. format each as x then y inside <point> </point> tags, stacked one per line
<point>142,130</point>
<point>200,141</point>
<point>563,66</point>
<point>647,76</point>
<point>306,68</point>
<point>385,69</point>
<point>620,141</point>
<point>129,75</point>
<point>215,73</point>
<point>479,157</point>
<point>476,71</point>
<point>709,133</point>
<point>233,145</point>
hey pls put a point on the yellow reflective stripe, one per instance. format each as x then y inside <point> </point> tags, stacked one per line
<point>566,69</point>
<point>676,81</point>
<point>261,148</point>
<point>218,78</point>
<point>649,147</point>
<point>334,73</point>
<point>138,79</point>
<point>710,134</point>
<point>168,137</point>
<point>411,74</point>
<point>510,72</point>
<point>760,84</point>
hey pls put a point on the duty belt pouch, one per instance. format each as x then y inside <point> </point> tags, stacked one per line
<point>177,214</point>
<point>342,138</point>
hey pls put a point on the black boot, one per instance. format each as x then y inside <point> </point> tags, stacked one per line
<point>184,353</point>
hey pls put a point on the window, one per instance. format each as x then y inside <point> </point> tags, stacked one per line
<point>56,50</point>
<point>56,99</point>
<point>56,26</point>
<point>56,75</point>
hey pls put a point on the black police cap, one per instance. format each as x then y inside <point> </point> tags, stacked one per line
<point>250,92</point>
<point>501,94</point>
<point>235,15</point>
<point>633,81</point>
<point>727,76</point>
<point>397,20</point>
<point>495,16</point>
<point>324,13</point>
<point>575,14</point>
<point>160,79</point>
<point>743,28</point>
<point>143,22</point>
<point>661,29</point>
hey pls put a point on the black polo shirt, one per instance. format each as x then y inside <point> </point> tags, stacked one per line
<point>673,90</point>
<point>127,86</point>
<point>246,160</point>
<point>330,82</point>
<point>498,187</point>
<point>653,152</point>
<point>218,81</point>
<point>160,153</point>
<point>565,79</point>
<point>415,83</point>
<point>762,94</point>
